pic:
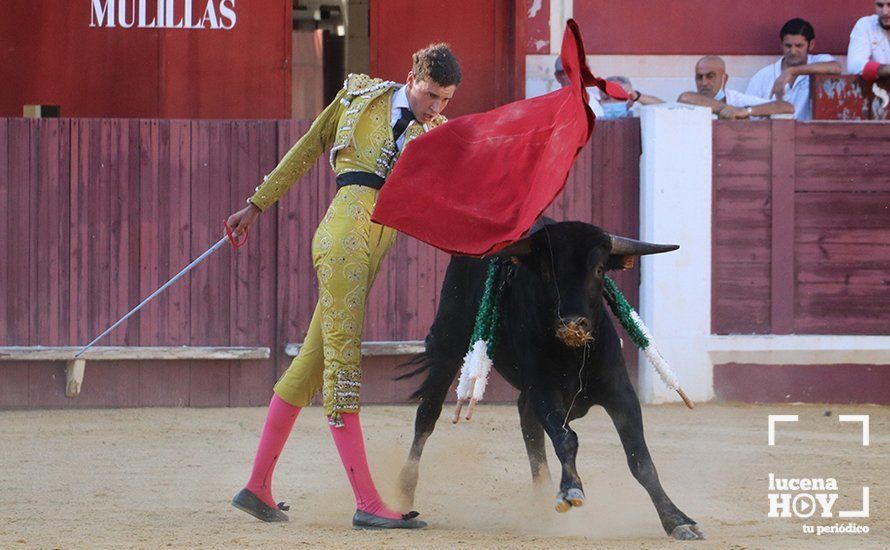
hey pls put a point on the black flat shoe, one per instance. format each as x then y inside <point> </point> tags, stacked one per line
<point>248,502</point>
<point>364,520</point>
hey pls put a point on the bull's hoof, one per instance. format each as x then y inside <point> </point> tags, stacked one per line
<point>575,496</point>
<point>687,532</point>
<point>566,499</point>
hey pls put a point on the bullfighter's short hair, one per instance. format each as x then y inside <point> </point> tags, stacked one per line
<point>436,63</point>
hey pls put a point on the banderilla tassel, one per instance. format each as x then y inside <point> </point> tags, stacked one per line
<point>641,336</point>
<point>477,362</point>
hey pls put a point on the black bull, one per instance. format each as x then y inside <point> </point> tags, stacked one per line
<point>557,283</point>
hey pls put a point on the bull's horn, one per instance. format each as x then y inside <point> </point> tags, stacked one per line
<point>622,246</point>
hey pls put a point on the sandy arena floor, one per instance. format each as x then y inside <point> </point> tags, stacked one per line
<point>153,478</point>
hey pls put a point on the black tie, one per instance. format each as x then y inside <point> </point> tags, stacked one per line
<point>399,128</point>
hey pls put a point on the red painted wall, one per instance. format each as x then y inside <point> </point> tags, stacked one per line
<point>711,26</point>
<point>49,54</point>
<point>482,33</point>
<point>802,383</point>
<point>536,25</point>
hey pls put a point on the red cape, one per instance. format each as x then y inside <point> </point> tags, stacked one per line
<point>478,183</point>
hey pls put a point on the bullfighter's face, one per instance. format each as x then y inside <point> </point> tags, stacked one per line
<point>427,98</point>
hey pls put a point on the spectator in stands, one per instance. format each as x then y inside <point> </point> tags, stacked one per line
<point>608,108</point>
<point>869,52</point>
<point>710,83</point>
<point>616,108</point>
<point>788,78</point>
<point>593,93</point>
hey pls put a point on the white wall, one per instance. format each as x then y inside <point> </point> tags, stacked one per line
<point>675,207</point>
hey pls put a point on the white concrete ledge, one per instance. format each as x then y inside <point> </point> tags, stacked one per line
<point>769,349</point>
<point>375,349</point>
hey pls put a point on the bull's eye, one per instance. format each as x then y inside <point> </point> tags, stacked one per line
<point>600,272</point>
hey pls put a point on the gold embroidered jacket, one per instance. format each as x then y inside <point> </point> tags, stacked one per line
<point>356,128</point>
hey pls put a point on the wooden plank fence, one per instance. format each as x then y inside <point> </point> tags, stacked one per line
<point>801,228</point>
<point>100,212</point>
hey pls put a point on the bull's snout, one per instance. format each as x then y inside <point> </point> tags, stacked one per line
<point>574,331</point>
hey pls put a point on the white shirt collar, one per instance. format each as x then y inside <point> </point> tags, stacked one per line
<point>399,101</point>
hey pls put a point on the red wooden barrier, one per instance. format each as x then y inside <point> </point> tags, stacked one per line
<point>801,226</point>
<point>101,212</point>
<point>802,383</point>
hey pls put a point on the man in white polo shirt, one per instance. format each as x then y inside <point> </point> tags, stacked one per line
<point>788,78</point>
<point>711,92</point>
<point>869,51</point>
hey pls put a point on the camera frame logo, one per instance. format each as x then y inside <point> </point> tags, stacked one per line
<point>805,498</point>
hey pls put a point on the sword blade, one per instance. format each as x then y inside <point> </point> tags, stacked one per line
<point>163,287</point>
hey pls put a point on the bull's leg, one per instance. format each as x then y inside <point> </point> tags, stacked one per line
<point>551,414</point>
<point>435,389</point>
<point>533,435</point>
<point>624,409</point>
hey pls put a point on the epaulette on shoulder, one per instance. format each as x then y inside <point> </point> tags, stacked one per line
<point>360,84</point>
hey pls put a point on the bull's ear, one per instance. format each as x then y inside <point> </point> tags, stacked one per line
<point>620,262</point>
<point>519,250</point>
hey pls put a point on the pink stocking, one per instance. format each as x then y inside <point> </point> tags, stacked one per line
<point>351,447</point>
<point>279,422</point>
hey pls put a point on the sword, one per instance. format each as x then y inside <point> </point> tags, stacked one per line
<point>228,237</point>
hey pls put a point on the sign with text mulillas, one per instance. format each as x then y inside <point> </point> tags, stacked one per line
<point>164,14</point>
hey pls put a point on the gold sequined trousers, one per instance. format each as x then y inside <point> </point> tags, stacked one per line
<point>347,251</point>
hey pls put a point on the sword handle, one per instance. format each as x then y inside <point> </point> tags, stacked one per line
<point>236,244</point>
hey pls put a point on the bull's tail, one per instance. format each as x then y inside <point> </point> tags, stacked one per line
<point>418,364</point>
<point>440,373</point>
